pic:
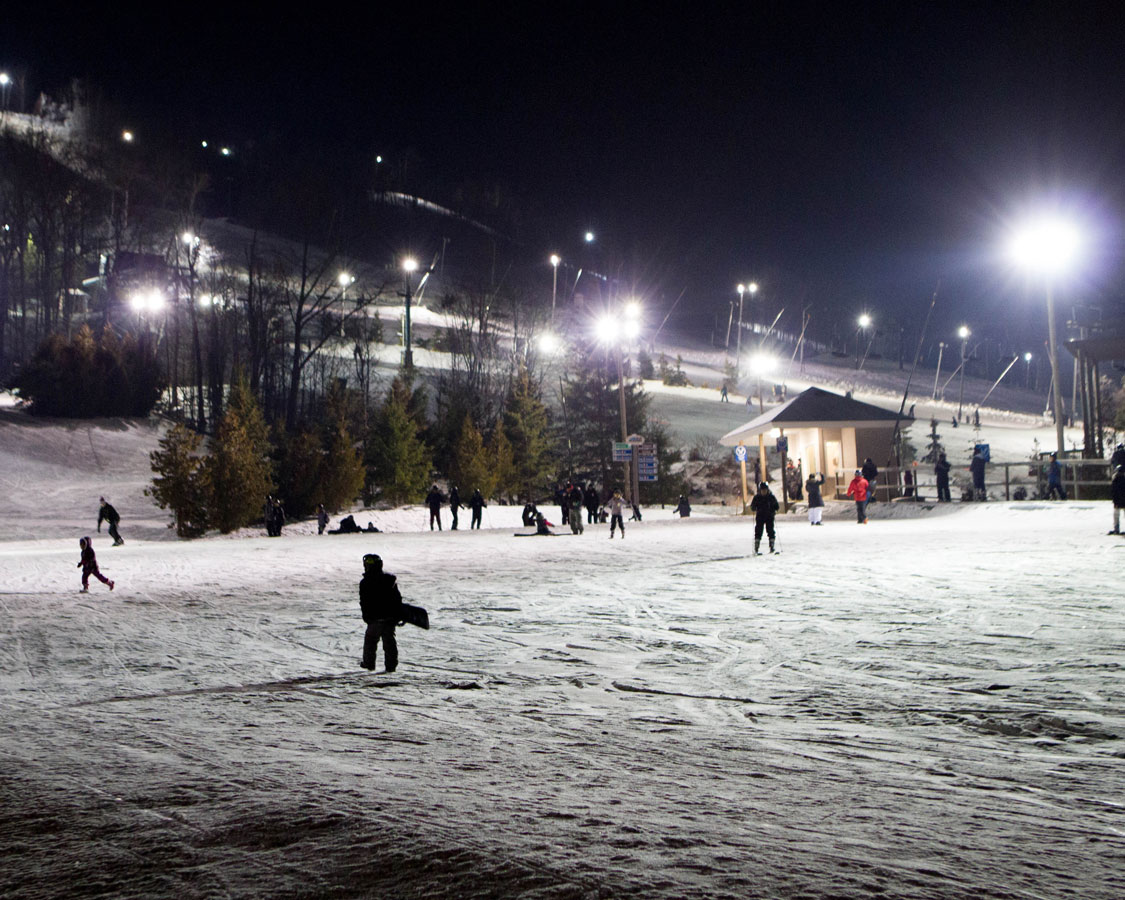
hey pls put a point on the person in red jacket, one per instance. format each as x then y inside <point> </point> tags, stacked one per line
<point>89,564</point>
<point>857,490</point>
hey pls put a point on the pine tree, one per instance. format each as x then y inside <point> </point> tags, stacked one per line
<point>343,472</point>
<point>300,472</point>
<point>398,460</point>
<point>525,423</point>
<point>474,468</point>
<point>181,482</point>
<point>239,466</point>
<point>500,452</point>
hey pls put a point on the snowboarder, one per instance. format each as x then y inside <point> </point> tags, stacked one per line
<point>683,508</point>
<point>1118,487</point>
<point>110,515</point>
<point>1054,479</point>
<point>381,605</point>
<point>476,504</point>
<point>454,506</point>
<point>321,519</point>
<point>616,502</point>
<point>590,498</point>
<point>976,466</point>
<point>857,490</point>
<point>542,526</point>
<point>434,500</point>
<point>941,470</point>
<point>765,507</point>
<point>816,501</point>
<point>89,565</point>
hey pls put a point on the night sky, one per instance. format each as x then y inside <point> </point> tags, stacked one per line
<point>846,156</point>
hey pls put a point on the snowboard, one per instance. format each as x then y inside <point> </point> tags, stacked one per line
<point>552,534</point>
<point>415,615</point>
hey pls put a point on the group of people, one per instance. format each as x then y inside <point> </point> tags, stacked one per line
<point>435,499</point>
<point>862,488</point>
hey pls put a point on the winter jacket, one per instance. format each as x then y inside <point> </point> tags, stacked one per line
<point>1054,473</point>
<point>108,514</point>
<point>812,488</point>
<point>941,469</point>
<point>683,508</point>
<point>870,471</point>
<point>454,500</point>
<point>976,466</point>
<point>764,506</point>
<point>1118,485</point>
<point>591,498</point>
<point>379,597</point>
<point>1118,458</point>
<point>476,502</point>
<point>433,500</point>
<point>615,505</point>
<point>858,489</point>
<point>89,561</point>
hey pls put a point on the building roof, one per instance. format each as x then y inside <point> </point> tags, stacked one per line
<point>814,408</point>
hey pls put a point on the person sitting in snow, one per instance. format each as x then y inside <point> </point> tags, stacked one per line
<point>542,526</point>
<point>381,605</point>
<point>108,514</point>
<point>89,564</point>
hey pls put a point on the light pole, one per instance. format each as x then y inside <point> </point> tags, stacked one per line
<point>761,363</point>
<point>937,374</point>
<point>555,260</point>
<point>863,322</point>
<point>5,86</point>
<point>1047,247</point>
<point>738,348</point>
<point>616,330</point>
<point>963,333</point>
<point>1027,377</point>
<point>409,266</point>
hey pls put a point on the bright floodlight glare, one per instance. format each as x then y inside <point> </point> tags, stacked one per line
<point>555,259</point>
<point>203,144</point>
<point>607,329</point>
<point>5,79</point>
<point>589,237</point>
<point>188,238</point>
<point>761,363</point>
<point>632,329</point>
<point>963,332</point>
<point>752,287</point>
<point>864,320</point>
<point>127,137</point>
<point>225,151</point>
<point>633,309</point>
<point>548,343</point>
<point>344,279</point>
<point>1047,246</point>
<point>1027,356</point>
<point>741,289</point>
<point>409,264</point>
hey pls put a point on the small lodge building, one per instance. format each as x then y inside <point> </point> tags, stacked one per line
<point>828,433</point>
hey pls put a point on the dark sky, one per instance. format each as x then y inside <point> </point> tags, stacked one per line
<point>843,155</point>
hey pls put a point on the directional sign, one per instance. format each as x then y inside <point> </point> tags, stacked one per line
<point>622,452</point>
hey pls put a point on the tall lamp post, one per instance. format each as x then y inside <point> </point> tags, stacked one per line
<point>1027,377</point>
<point>963,333</point>
<point>615,330</point>
<point>409,266</point>
<point>862,323</point>
<point>555,260</point>
<point>761,363</point>
<point>1046,248</point>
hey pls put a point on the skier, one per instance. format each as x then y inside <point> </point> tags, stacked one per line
<point>1054,479</point>
<point>683,508</point>
<point>476,504</point>
<point>433,500</point>
<point>454,505</point>
<point>381,605</point>
<point>590,498</point>
<point>1118,487</point>
<point>976,466</point>
<point>858,491</point>
<point>765,507</point>
<point>941,470</point>
<point>816,501</point>
<point>89,565</point>
<point>321,519</point>
<point>109,514</point>
<point>615,504</point>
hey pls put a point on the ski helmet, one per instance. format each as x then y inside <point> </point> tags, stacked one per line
<point>372,561</point>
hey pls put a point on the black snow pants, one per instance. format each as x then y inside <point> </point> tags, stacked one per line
<point>376,629</point>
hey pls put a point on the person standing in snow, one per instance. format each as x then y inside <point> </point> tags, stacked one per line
<point>616,504</point>
<point>321,519</point>
<point>1118,488</point>
<point>765,507</point>
<point>941,470</point>
<point>857,490</point>
<point>871,474</point>
<point>276,519</point>
<point>1118,458</point>
<point>381,605</point>
<point>576,497</point>
<point>476,504</point>
<point>816,501</point>
<point>89,565</point>
<point>683,508</point>
<point>590,498</point>
<point>976,467</point>
<point>1054,479</point>
<point>107,513</point>
<point>454,506</point>
<point>433,501</point>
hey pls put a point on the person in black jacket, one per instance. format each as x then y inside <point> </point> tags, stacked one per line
<point>765,507</point>
<point>871,473</point>
<point>816,501</point>
<point>590,496</point>
<point>1118,488</point>
<point>454,506</point>
<point>433,501</point>
<point>941,470</point>
<point>683,508</point>
<point>108,514</point>
<point>381,605</point>
<point>476,504</point>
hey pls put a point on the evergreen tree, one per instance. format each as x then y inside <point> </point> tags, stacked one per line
<point>239,466</point>
<point>181,482</point>
<point>398,460</point>
<point>300,471</point>
<point>500,452</point>
<point>525,423</point>
<point>474,467</point>
<point>343,472</point>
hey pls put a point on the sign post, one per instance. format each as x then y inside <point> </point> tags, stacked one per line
<point>740,455</point>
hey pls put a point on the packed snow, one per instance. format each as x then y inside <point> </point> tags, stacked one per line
<point>927,706</point>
